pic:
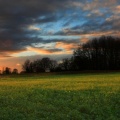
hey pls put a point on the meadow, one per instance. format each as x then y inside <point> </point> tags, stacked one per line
<point>60,97</point>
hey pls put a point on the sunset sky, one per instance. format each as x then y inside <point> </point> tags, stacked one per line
<point>32,29</point>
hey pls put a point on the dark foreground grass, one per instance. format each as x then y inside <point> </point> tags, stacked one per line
<point>56,97</point>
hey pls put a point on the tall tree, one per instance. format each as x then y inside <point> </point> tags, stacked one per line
<point>27,66</point>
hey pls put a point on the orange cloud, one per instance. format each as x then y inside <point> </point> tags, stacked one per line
<point>59,48</point>
<point>18,64</point>
<point>6,53</point>
<point>116,11</point>
<point>45,51</point>
<point>38,50</point>
<point>84,40</point>
<point>68,47</point>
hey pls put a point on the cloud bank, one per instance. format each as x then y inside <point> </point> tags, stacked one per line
<point>54,26</point>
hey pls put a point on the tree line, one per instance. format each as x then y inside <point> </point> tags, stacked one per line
<point>101,53</point>
<point>8,70</point>
<point>39,65</point>
<point>98,54</point>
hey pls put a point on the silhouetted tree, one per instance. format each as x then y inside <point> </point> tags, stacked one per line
<point>45,63</point>
<point>27,66</point>
<point>7,71</point>
<point>39,65</point>
<point>15,71</point>
<point>65,64</point>
<point>99,54</point>
<point>53,65</point>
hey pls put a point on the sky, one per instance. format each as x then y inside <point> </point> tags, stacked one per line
<point>32,29</point>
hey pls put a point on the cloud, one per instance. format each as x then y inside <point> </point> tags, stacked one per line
<point>67,47</point>
<point>20,20</point>
<point>31,27</point>
<point>24,24</point>
<point>44,51</point>
<point>84,40</point>
<point>18,64</point>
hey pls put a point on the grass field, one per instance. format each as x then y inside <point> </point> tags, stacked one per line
<point>60,97</point>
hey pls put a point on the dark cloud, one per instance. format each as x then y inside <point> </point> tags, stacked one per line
<point>17,15</point>
<point>94,24</point>
<point>19,20</point>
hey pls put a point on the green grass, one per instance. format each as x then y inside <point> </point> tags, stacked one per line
<point>60,97</point>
